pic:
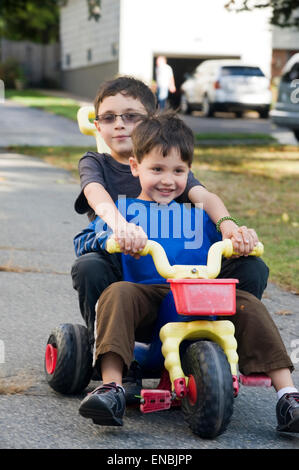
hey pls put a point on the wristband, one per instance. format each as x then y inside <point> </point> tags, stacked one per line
<point>228,217</point>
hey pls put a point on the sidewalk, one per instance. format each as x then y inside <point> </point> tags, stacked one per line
<point>21,125</point>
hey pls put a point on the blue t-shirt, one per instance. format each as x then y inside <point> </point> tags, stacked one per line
<point>185,232</point>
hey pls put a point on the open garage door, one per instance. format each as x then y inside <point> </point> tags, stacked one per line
<point>182,65</point>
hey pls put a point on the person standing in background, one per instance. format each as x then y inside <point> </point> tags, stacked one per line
<point>165,81</point>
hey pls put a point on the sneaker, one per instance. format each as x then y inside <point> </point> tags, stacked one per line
<point>287,412</point>
<point>132,384</point>
<point>105,405</point>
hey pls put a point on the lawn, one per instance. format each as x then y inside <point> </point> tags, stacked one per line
<point>259,185</point>
<point>52,104</point>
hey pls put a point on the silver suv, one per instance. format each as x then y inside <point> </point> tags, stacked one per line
<point>286,110</point>
<point>226,85</point>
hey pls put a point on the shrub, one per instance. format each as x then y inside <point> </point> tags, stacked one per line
<point>11,73</point>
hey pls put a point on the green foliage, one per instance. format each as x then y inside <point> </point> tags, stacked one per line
<point>285,13</point>
<point>10,72</point>
<point>33,20</point>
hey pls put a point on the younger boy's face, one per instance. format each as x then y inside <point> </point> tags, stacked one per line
<point>162,179</point>
<point>117,134</point>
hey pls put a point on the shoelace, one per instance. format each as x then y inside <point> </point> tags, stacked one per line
<point>106,387</point>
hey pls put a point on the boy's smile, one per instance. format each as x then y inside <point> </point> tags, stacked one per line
<point>162,179</point>
<point>117,134</point>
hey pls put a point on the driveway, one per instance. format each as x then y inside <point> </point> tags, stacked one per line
<point>20,125</point>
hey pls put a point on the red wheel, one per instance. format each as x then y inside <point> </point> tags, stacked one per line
<point>50,358</point>
<point>68,359</point>
<point>192,390</point>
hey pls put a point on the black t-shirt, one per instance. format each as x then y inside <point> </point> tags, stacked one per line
<point>116,178</point>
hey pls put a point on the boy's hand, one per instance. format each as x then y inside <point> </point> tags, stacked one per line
<point>243,239</point>
<point>131,239</point>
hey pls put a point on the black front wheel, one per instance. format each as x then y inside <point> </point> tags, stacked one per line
<point>208,406</point>
<point>68,359</point>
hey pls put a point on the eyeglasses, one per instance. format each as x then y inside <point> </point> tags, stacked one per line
<point>127,118</point>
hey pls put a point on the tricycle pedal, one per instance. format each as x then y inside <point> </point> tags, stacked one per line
<point>155,400</point>
<point>255,380</point>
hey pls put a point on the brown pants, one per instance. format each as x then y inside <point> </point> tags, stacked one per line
<point>126,312</point>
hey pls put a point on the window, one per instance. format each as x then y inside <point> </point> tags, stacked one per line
<point>242,71</point>
<point>293,74</point>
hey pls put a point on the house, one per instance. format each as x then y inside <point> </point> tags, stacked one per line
<point>130,34</point>
<point>285,43</point>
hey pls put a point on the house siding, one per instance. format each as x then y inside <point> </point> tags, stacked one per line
<point>85,81</point>
<point>84,42</point>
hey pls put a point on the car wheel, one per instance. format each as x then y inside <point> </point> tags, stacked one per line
<point>264,114</point>
<point>296,133</point>
<point>208,406</point>
<point>239,114</point>
<point>68,359</point>
<point>207,107</point>
<point>184,105</point>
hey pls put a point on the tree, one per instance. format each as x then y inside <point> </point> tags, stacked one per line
<point>34,20</point>
<point>285,13</point>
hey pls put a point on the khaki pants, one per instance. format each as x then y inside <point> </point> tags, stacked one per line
<point>127,312</point>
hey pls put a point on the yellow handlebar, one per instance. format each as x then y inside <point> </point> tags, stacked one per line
<point>210,271</point>
<point>84,115</point>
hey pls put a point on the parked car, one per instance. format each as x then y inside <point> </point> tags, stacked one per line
<point>226,85</point>
<point>286,110</point>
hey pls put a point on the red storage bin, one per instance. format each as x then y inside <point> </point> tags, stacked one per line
<point>204,296</point>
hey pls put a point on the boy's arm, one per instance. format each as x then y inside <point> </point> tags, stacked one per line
<point>88,240</point>
<point>130,237</point>
<point>243,239</point>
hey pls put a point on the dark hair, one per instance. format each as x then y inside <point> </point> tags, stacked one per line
<point>165,130</point>
<point>127,86</point>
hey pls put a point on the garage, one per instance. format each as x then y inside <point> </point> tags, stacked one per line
<point>182,65</point>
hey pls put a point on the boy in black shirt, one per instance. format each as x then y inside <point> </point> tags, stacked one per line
<point>119,106</point>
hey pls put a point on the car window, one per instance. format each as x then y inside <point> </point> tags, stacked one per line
<point>242,71</point>
<point>293,74</point>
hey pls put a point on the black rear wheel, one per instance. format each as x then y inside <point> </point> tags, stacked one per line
<point>208,407</point>
<point>68,359</point>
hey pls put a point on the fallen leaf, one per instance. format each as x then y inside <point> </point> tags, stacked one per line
<point>284,312</point>
<point>285,217</point>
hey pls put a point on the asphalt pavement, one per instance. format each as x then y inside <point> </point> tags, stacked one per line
<point>38,224</point>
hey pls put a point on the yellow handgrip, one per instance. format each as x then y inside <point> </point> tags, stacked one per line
<point>88,128</point>
<point>210,271</point>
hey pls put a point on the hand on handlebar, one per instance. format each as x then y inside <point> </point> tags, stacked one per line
<point>131,239</point>
<point>244,239</point>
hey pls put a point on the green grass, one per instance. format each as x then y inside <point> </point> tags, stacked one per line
<point>258,185</point>
<point>235,136</point>
<point>36,99</point>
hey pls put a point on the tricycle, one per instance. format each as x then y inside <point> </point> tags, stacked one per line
<point>192,352</point>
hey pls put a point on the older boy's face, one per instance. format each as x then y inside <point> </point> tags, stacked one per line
<point>162,179</point>
<point>117,134</point>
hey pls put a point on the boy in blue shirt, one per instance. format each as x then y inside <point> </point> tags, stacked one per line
<point>127,310</point>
